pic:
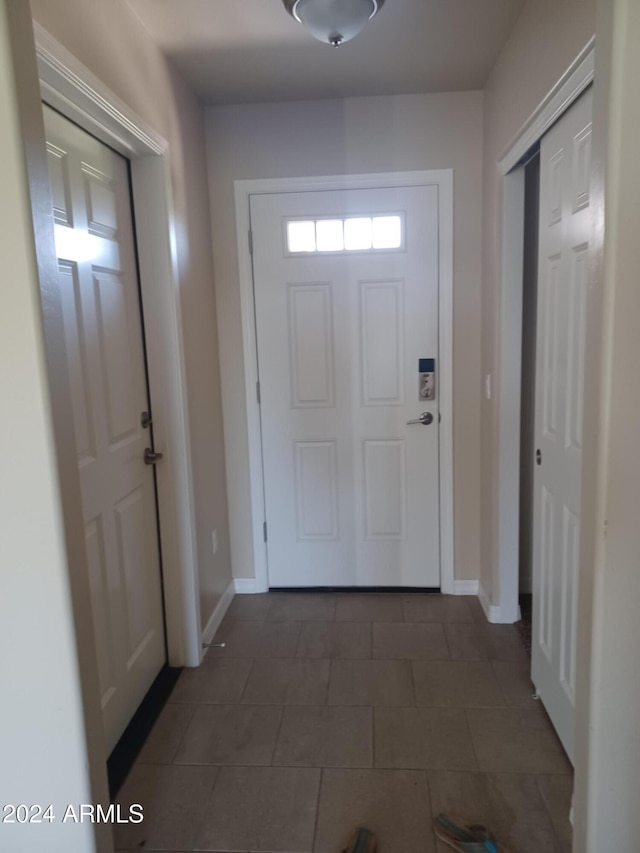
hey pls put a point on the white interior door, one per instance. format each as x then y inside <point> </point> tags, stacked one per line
<point>104,345</point>
<point>346,294</point>
<point>565,227</point>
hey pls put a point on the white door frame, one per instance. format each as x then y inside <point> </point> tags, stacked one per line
<point>504,606</point>
<point>443,180</point>
<point>71,89</point>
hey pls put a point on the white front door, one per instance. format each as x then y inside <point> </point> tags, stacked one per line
<point>346,295</point>
<point>105,352</point>
<point>565,227</point>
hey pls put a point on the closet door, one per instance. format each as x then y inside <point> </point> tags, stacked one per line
<point>565,228</point>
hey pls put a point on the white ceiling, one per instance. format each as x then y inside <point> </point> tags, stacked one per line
<point>241,51</point>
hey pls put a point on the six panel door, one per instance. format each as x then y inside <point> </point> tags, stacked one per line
<point>346,295</point>
<point>104,347</point>
<point>565,226</point>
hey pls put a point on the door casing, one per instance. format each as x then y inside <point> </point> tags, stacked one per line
<point>443,180</point>
<point>74,91</point>
<point>503,606</point>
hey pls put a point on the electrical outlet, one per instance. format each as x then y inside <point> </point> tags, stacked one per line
<point>214,542</point>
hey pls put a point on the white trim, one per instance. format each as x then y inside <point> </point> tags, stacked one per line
<point>568,89</point>
<point>509,382</point>
<point>74,91</point>
<point>466,587</point>
<point>490,611</point>
<point>247,586</point>
<point>71,88</point>
<point>218,614</point>
<point>493,613</point>
<point>443,179</point>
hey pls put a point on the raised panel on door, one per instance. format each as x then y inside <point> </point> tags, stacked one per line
<point>122,398</point>
<point>554,174</point>
<point>101,203</point>
<point>549,378</point>
<point>569,601</point>
<point>382,344</point>
<point>581,192</point>
<point>59,181</point>
<point>341,328</point>
<point>77,361</point>
<point>564,234</point>
<point>546,569</point>
<point>134,562</point>
<point>105,356</point>
<point>310,328</point>
<point>385,489</point>
<point>576,344</point>
<point>316,479</point>
<point>101,609</point>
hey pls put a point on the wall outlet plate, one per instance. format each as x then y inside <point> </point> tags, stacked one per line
<point>214,541</point>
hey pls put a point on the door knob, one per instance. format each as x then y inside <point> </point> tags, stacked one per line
<point>150,457</point>
<point>425,419</point>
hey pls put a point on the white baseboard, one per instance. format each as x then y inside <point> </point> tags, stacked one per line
<point>245,586</point>
<point>492,611</point>
<point>218,614</point>
<point>466,587</point>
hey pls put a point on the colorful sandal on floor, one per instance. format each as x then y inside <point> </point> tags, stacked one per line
<point>464,838</point>
<point>363,841</point>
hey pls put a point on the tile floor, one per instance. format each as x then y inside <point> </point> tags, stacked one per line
<point>326,712</point>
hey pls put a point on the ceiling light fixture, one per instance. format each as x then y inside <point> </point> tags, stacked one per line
<point>333,21</point>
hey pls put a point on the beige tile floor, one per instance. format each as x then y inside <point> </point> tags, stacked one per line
<point>327,712</point>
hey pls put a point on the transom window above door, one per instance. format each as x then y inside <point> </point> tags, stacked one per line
<point>349,234</point>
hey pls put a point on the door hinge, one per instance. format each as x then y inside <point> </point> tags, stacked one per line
<point>250,242</point>
<point>258,394</point>
<point>264,531</point>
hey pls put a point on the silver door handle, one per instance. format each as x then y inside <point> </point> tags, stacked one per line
<point>151,458</point>
<point>425,419</point>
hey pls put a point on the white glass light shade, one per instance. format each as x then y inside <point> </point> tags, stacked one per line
<point>335,21</point>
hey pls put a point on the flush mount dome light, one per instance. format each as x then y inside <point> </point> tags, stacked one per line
<point>333,21</point>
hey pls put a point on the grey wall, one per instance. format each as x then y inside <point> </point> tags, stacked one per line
<point>351,136</point>
<point>547,37</point>
<point>109,39</point>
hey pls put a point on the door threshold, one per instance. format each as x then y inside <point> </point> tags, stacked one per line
<point>406,590</point>
<point>134,736</point>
